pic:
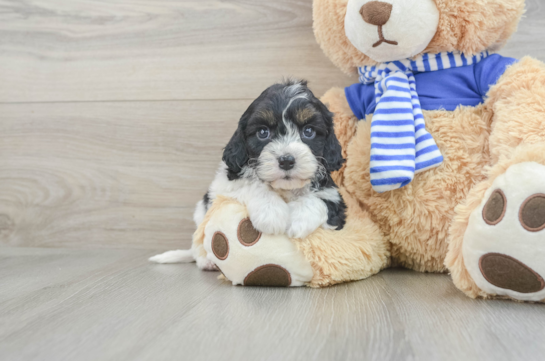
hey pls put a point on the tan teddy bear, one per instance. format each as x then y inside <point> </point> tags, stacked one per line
<point>445,149</point>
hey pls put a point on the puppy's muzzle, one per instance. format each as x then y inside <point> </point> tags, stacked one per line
<point>286,162</point>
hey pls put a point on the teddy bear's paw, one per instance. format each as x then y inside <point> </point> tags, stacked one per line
<point>504,244</point>
<point>249,257</point>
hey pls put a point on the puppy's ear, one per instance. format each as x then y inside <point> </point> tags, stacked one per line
<point>235,155</point>
<point>333,158</point>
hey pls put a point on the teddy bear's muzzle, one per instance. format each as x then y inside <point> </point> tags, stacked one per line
<point>378,13</point>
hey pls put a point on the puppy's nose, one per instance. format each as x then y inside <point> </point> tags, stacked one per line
<point>286,162</point>
<point>376,12</point>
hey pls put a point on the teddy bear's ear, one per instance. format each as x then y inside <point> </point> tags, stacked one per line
<point>471,26</point>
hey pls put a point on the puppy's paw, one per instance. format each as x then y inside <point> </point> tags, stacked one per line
<point>270,220</point>
<point>205,264</point>
<point>306,216</point>
<point>301,227</point>
<point>270,224</point>
<point>297,230</point>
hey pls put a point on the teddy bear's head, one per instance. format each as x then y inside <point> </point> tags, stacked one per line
<point>355,33</point>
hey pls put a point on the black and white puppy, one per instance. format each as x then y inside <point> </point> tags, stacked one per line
<point>278,164</point>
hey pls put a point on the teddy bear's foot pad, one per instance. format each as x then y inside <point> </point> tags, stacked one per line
<point>269,275</point>
<point>504,244</point>
<point>511,274</point>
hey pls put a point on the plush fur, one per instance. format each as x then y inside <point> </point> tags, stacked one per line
<point>425,223</point>
<point>416,218</point>
<point>354,253</point>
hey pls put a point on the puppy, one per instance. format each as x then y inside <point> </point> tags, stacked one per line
<point>278,164</point>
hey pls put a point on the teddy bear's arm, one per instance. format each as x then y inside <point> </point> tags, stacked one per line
<point>517,102</point>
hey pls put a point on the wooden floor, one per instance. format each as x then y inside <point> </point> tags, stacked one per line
<point>68,304</point>
<point>113,115</point>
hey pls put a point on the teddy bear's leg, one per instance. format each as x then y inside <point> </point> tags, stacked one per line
<point>345,123</point>
<point>517,103</point>
<point>356,252</point>
<point>497,239</point>
<point>326,257</point>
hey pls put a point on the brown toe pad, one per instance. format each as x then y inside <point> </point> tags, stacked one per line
<point>506,272</point>
<point>532,213</point>
<point>247,234</point>
<point>494,209</point>
<point>269,275</point>
<point>220,246</point>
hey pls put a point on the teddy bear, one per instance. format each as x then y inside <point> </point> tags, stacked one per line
<point>478,211</point>
<point>444,141</point>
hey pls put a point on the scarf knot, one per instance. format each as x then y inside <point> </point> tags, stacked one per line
<point>400,144</point>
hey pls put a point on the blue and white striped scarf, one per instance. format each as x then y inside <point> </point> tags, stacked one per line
<point>400,144</point>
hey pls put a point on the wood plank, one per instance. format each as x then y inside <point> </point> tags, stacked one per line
<point>116,174</point>
<point>127,174</point>
<point>530,37</point>
<point>161,50</point>
<point>206,49</point>
<point>113,305</point>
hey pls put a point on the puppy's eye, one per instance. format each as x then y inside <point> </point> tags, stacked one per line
<point>263,133</point>
<point>309,132</point>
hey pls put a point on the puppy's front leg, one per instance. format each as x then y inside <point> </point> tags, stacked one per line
<point>307,213</point>
<point>268,211</point>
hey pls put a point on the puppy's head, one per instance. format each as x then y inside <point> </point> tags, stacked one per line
<point>285,138</point>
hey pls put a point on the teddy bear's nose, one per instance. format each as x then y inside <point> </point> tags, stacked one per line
<point>376,12</point>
